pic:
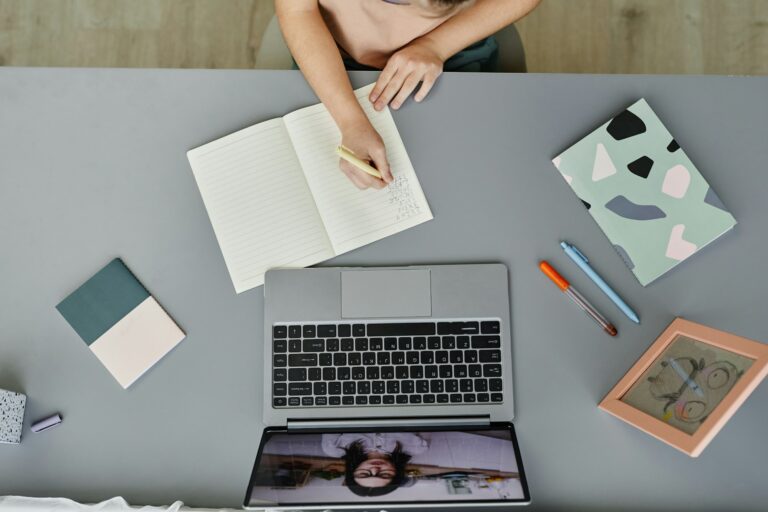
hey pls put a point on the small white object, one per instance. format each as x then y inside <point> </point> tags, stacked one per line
<point>11,416</point>
<point>46,423</point>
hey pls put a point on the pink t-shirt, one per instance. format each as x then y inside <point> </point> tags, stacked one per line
<point>370,31</point>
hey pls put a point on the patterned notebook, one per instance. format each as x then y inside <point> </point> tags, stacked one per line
<point>122,324</point>
<point>644,193</point>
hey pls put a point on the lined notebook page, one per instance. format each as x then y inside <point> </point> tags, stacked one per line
<point>354,218</point>
<point>259,203</point>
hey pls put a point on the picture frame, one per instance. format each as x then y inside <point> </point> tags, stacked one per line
<point>688,384</point>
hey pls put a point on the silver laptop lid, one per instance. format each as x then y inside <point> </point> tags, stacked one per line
<point>474,466</point>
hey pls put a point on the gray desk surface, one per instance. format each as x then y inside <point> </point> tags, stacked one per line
<point>92,166</point>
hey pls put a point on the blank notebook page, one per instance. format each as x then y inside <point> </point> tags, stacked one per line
<point>259,204</point>
<point>354,218</point>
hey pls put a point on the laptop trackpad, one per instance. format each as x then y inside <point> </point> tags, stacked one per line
<point>385,293</point>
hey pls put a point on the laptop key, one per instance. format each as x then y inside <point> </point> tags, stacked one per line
<point>407,329</point>
<point>369,358</point>
<point>297,374</point>
<point>313,346</point>
<point>343,373</point>
<point>279,346</point>
<point>422,386</point>
<point>460,371</point>
<point>417,372</point>
<point>486,342</point>
<point>420,343</point>
<point>427,357</point>
<point>470,356</point>
<point>436,386</point>
<point>401,372</point>
<point>452,385</point>
<point>294,331</point>
<point>465,385</point>
<point>481,385</point>
<point>348,400</point>
<point>361,400</point>
<point>361,344</point>
<point>279,360</point>
<point>309,331</point>
<point>449,342</point>
<point>388,399</point>
<point>332,344</point>
<point>321,400</point>
<point>387,372</point>
<point>401,399</point>
<point>314,374</point>
<point>393,387</point>
<point>320,388</point>
<point>279,331</point>
<point>491,370</point>
<point>433,342</point>
<point>279,389</point>
<point>390,343</point>
<point>497,397</point>
<point>458,328</point>
<point>294,400</point>
<point>302,360</point>
<point>442,398</point>
<point>490,327</point>
<point>334,388</point>
<point>456,356</point>
<point>279,375</point>
<point>382,358</point>
<point>358,330</point>
<point>374,400</point>
<point>279,401</point>
<point>407,386</point>
<point>354,359</point>
<point>358,373</point>
<point>363,387</point>
<point>441,357</point>
<point>294,345</point>
<point>347,344</point>
<point>334,400</point>
<point>339,359</point>
<point>326,331</point>
<point>344,330</point>
<point>348,388</point>
<point>469,398</point>
<point>455,397</point>
<point>495,384</point>
<point>412,357</point>
<point>483,397</point>
<point>404,343</point>
<point>490,356</point>
<point>414,399</point>
<point>325,360</point>
<point>299,388</point>
<point>462,342</point>
<point>398,357</point>
<point>376,344</point>
<point>430,372</point>
<point>475,370</point>
<point>372,372</point>
<point>446,372</point>
<point>429,399</point>
<point>378,387</point>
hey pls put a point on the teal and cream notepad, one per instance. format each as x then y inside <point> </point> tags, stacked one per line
<point>120,322</point>
<point>644,192</point>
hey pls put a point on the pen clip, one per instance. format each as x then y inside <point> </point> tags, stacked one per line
<point>580,254</point>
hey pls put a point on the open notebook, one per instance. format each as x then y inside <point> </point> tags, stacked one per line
<point>276,197</point>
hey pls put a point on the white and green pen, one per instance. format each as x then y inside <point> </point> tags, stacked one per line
<point>583,263</point>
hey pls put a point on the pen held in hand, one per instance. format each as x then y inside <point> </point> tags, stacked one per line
<point>576,297</point>
<point>349,156</point>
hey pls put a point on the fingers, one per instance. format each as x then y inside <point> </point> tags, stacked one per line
<point>390,90</point>
<point>379,157</point>
<point>408,86</point>
<point>358,178</point>
<point>426,86</point>
<point>386,75</point>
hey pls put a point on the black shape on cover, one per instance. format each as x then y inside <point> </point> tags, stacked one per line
<point>641,167</point>
<point>673,146</point>
<point>625,125</point>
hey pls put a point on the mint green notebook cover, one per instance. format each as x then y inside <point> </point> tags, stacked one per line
<point>644,192</point>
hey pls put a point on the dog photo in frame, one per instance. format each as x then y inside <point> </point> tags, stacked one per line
<point>688,384</point>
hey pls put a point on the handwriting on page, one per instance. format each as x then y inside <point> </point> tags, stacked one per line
<point>400,197</point>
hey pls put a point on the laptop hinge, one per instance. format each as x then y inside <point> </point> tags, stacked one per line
<point>353,423</point>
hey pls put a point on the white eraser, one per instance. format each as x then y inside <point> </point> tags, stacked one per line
<point>45,424</point>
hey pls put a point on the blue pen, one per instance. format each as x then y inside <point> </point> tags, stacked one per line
<point>583,264</point>
<point>686,378</point>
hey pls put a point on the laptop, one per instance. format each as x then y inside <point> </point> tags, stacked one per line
<point>387,388</point>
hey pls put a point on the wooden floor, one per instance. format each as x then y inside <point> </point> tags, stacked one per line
<point>576,36</point>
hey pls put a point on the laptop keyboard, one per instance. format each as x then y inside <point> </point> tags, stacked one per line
<point>386,364</point>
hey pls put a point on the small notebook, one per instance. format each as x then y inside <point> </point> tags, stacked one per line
<point>120,322</point>
<point>644,192</point>
<point>276,197</point>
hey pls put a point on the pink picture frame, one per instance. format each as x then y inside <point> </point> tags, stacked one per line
<point>692,444</point>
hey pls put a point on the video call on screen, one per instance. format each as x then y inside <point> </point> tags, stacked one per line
<point>383,467</point>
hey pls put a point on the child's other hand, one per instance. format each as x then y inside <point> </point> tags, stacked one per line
<point>415,63</point>
<point>365,142</point>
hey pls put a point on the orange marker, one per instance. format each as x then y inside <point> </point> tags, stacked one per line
<point>576,297</point>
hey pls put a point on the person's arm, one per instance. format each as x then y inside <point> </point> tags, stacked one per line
<point>316,53</point>
<point>422,60</point>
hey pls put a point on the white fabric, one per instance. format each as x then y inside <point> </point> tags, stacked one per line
<point>116,504</point>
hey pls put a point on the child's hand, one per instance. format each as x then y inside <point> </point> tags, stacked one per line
<point>415,63</point>
<point>363,140</point>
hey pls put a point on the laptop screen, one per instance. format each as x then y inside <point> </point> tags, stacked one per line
<point>397,467</point>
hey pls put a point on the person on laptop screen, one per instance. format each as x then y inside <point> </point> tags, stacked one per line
<point>375,463</point>
<point>411,41</point>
